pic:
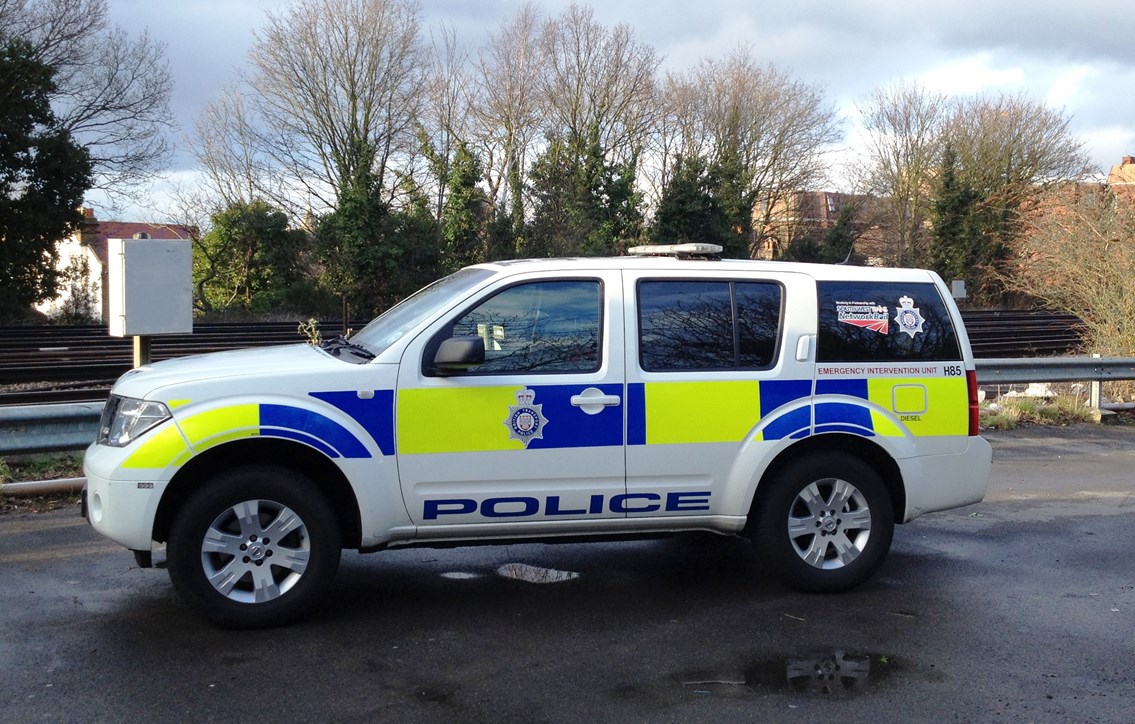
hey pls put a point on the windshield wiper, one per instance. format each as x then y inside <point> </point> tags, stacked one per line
<point>335,346</point>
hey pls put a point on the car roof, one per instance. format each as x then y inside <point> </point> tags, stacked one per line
<point>822,272</point>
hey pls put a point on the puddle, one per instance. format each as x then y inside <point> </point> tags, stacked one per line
<point>517,572</point>
<point>534,574</point>
<point>835,674</point>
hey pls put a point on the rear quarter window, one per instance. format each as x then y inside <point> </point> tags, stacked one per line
<point>884,322</point>
<point>719,324</point>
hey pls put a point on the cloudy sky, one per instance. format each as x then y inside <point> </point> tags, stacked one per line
<point>1078,56</point>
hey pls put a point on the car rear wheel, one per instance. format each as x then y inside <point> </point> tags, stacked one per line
<point>254,547</point>
<point>825,523</point>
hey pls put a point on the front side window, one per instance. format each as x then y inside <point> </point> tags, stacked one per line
<point>537,327</point>
<point>707,325</point>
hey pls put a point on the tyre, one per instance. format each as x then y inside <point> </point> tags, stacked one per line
<point>825,523</point>
<point>256,546</point>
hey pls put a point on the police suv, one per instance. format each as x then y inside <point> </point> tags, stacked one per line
<point>806,407</point>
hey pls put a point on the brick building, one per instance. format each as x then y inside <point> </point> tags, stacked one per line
<point>1122,176</point>
<point>814,212</point>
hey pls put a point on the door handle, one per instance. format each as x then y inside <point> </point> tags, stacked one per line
<point>803,347</point>
<point>593,400</point>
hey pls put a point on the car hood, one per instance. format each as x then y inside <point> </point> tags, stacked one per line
<point>263,362</point>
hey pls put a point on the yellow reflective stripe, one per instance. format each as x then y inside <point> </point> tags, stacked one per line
<point>698,412</point>
<point>470,419</point>
<point>202,431</point>
<point>159,450</point>
<point>944,412</point>
<point>206,429</point>
<point>884,425</point>
<point>174,404</point>
<point>227,437</point>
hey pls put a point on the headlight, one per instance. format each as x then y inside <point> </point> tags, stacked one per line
<point>124,419</point>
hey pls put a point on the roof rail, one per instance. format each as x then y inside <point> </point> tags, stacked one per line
<point>681,251</point>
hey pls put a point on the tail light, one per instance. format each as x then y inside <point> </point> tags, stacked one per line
<point>974,410</point>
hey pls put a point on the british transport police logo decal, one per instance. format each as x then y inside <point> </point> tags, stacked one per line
<point>867,315</point>
<point>526,419</point>
<point>909,318</point>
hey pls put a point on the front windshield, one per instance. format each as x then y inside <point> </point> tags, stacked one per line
<point>388,327</point>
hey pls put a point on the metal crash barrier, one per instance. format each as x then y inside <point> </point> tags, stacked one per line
<point>1011,371</point>
<point>51,428</point>
<point>26,429</point>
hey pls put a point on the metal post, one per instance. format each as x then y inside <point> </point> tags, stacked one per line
<point>141,350</point>
<point>1094,391</point>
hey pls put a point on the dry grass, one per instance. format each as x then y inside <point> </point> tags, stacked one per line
<point>1009,413</point>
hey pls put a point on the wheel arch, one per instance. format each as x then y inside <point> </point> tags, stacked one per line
<point>324,473</point>
<point>863,448</point>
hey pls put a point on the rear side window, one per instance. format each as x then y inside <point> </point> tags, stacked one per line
<point>884,322</point>
<point>707,325</point>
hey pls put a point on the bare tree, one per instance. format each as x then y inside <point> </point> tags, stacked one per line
<point>904,125</point>
<point>772,128</point>
<point>444,119</point>
<point>1078,254</point>
<point>598,77</point>
<point>112,89</point>
<point>560,77</point>
<point>1011,148</point>
<point>192,207</point>
<point>786,150</point>
<point>675,134</point>
<point>505,110</point>
<point>1000,156</point>
<point>225,145</point>
<point>336,88</point>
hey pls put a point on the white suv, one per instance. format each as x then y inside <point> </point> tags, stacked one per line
<point>807,407</point>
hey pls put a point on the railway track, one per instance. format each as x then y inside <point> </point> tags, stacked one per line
<point>1022,334</point>
<point>41,365</point>
<point>53,393</point>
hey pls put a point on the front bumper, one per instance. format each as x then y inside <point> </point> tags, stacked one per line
<point>120,509</point>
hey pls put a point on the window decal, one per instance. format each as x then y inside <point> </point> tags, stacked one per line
<point>909,318</point>
<point>868,315</point>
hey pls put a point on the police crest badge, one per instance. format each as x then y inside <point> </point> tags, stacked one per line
<point>909,318</point>
<point>526,419</point>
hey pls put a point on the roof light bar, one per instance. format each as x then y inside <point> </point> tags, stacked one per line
<point>679,250</point>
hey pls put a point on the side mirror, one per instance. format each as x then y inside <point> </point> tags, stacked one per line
<point>458,354</point>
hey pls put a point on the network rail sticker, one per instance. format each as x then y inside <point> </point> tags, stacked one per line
<point>867,315</point>
<point>526,419</point>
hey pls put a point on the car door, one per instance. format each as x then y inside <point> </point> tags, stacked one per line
<point>719,377</point>
<point>531,436</point>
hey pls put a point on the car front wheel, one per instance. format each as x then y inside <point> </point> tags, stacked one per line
<point>254,547</point>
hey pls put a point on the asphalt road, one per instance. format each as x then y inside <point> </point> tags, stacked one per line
<point>1021,608</point>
